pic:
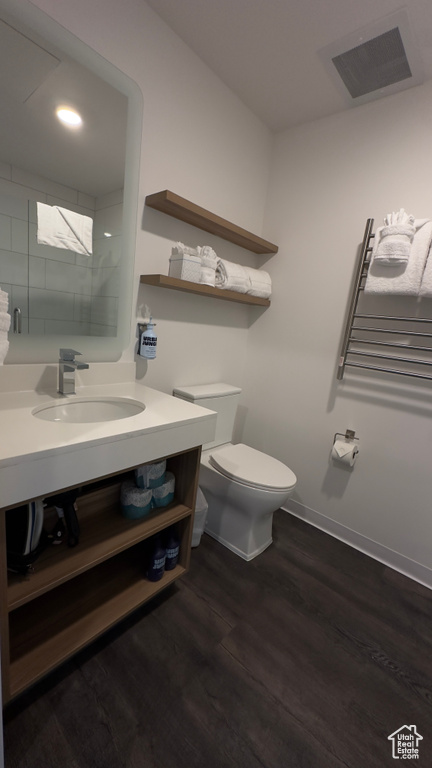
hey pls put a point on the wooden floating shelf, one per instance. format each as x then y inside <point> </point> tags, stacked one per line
<point>164,281</point>
<point>176,206</point>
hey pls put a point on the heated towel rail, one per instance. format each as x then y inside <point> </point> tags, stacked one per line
<point>374,343</point>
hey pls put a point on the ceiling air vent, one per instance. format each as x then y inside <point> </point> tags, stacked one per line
<point>375,61</point>
<point>375,64</point>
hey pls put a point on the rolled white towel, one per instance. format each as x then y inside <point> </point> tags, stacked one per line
<point>4,346</point>
<point>260,283</point>
<point>5,321</point>
<point>231,276</point>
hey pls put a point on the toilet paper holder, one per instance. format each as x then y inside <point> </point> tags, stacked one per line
<point>349,435</point>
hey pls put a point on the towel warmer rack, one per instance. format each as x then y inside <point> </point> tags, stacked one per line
<point>377,348</point>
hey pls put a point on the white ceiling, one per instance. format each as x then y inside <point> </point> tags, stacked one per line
<point>266,51</point>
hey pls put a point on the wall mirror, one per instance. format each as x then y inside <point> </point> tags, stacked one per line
<point>68,194</point>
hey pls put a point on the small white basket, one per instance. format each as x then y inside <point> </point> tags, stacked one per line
<point>186,267</point>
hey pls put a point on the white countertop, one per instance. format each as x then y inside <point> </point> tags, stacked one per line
<point>39,457</point>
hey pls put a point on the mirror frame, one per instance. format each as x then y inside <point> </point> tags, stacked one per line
<point>44,349</point>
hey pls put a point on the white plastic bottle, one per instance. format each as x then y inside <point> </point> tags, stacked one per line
<point>148,342</point>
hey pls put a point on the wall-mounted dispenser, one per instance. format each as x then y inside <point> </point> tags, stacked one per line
<point>147,340</point>
<point>345,448</point>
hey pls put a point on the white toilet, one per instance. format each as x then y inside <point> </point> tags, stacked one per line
<point>243,487</point>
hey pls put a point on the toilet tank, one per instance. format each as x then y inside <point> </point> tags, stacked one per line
<point>222,398</point>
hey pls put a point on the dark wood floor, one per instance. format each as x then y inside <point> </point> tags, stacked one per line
<point>311,655</point>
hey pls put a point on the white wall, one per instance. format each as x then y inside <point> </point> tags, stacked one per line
<point>327,178</point>
<point>200,142</point>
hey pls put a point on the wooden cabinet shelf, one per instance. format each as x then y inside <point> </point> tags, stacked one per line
<point>103,534</point>
<point>164,281</point>
<point>47,631</point>
<point>76,594</point>
<point>176,206</point>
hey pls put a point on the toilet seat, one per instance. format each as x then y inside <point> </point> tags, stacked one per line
<point>252,468</point>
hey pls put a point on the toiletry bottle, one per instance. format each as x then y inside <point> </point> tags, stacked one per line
<point>148,342</point>
<point>172,543</point>
<point>157,557</point>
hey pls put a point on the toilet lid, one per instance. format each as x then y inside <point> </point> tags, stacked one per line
<point>253,468</point>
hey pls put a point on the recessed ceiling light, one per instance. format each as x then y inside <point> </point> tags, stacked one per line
<point>69,117</point>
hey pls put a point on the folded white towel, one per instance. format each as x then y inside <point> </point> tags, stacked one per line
<point>207,276</point>
<point>231,276</point>
<point>4,300</point>
<point>208,256</point>
<point>406,278</point>
<point>5,321</point>
<point>4,346</point>
<point>395,245</point>
<point>396,238</point>
<point>62,228</point>
<point>260,283</point>
<point>180,249</point>
<point>209,261</point>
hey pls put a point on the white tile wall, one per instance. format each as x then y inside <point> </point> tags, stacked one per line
<point>31,181</point>
<point>66,328</point>
<point>58,290</point>
<point>20,232</point>
<point>37,272</point>
<point>107,252</point>
<point>106,282</point>
<point>103,330</point>
<point>5,232</point>
<point>69,277</point>
<point>104,310</point>
<point>18,297</point>
<point>108,220</point>
<point>51,305</point>
<point>82,308</point>
<point>13,268</point>
<point>10,204</point>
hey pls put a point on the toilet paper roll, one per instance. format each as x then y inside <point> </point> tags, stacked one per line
<point>150,475</point>
<point>164,494</point>
<point>345,452</point>
<point>134,502</point>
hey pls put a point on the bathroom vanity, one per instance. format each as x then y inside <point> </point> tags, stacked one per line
<point>75,594</point>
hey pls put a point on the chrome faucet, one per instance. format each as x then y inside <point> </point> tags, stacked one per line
<point>67,367</point>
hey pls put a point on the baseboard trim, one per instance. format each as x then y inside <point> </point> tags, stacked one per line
<point>395,560</point>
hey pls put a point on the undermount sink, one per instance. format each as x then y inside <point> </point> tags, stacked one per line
<point>84,410</point>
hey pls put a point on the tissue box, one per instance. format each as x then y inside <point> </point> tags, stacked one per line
<point>185,267</point>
